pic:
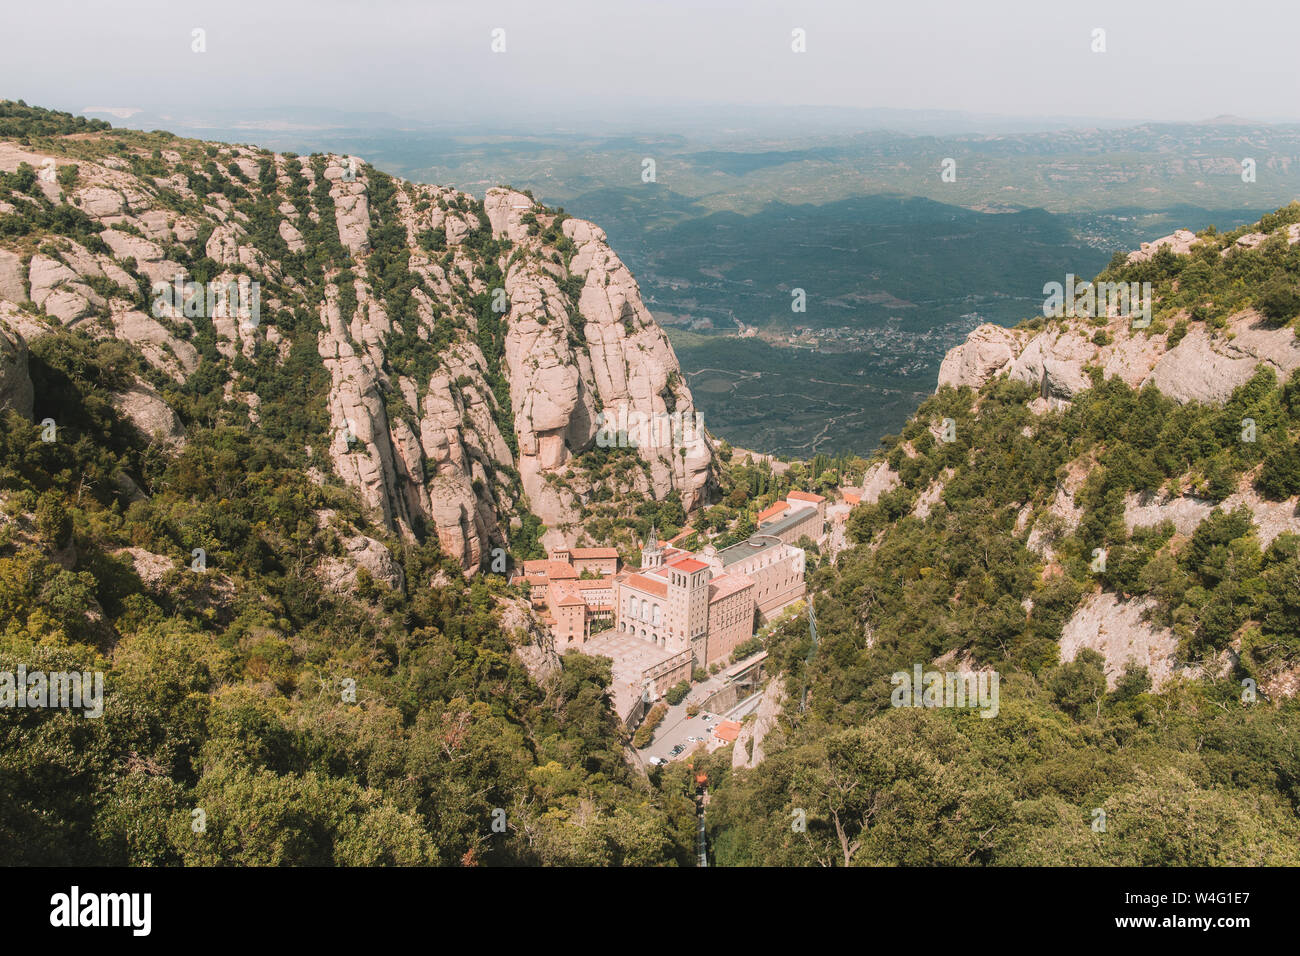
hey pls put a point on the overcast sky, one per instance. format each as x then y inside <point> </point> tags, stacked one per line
<point>577,59</point>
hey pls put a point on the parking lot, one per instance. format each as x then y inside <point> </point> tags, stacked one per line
<point>669,735</point>
<point>678,729</point>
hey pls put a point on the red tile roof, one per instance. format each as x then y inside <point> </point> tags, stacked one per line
<point>557,570</point>
<point>852,499</point>
<point>689,565</point>
<point>805,496</point>
<point>725,585</point>
<point>649,585</point>
<point>569,600</point>
<point>580,553</point>
<point>726,730</point>
<point>776,509</point>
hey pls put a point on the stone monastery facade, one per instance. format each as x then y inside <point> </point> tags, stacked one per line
<point>679,611</point>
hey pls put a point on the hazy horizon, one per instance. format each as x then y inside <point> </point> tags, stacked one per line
<point>585,62</point>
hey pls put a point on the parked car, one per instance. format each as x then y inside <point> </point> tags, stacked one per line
<point>658,761</point>
<point>676,750</point>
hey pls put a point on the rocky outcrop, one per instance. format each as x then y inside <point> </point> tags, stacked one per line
<point>929,499</point>
<point>1115,629</point>
<point>879,479</point>
<point>987,351</point>
<point>1053,363</point>
<point>360,551</point>
<point>13,283</point>
<point>1205,366</point>
<point>567,370</point>
<point>533,643</point>
<point>1202,364</point>
<point>351,206</point>
<point>152,416</point>
<point>149,567</point>
<point>1179,243</point>
<point>748,749</point>
<point>162,349</point>
<point>1271,518</point>
<point>15,383</point>
<point>1062,515</point>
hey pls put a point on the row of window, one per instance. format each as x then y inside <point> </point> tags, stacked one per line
<point>644,610</point>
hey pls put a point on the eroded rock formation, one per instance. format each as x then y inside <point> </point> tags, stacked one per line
<point>444,427</point>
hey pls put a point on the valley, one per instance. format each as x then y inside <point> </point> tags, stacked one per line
<point>896,264</point>
<point>369,581</point>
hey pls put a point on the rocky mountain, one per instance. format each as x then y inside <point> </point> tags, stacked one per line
<point>1182,356</point>
<point>258,415</point>
<point>245,502</point>
<point>447,358</point>
<point>1101,510</point>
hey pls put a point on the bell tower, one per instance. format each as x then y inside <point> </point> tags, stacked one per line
<point>652,555</point>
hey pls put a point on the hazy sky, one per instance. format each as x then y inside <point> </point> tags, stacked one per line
<point>573,59</point>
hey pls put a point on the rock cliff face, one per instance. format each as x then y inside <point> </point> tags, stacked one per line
<point>468,349</point>
<point>1203,366</point>
<point>15,383</point>
<point>748,749</point>
<point>1198,362</point>
<point>1115,628</point>
<point>1188,361</point>
<point>569,365</point>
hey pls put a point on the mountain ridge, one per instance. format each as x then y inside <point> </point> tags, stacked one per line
<point>446,406</point>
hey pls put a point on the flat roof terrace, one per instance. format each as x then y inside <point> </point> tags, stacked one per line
<point>632,656</point>
<point>755,544</point>
<point>792,520</point>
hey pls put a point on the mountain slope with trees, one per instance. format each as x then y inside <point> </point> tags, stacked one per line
<point>295,671</point>
<point>985,556</point>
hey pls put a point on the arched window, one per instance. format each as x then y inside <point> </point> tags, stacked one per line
<point>633,602</point>
<point>656,618</point>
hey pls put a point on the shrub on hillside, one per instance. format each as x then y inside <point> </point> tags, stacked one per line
<point>646,732</point>
<point>1279,300</point>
